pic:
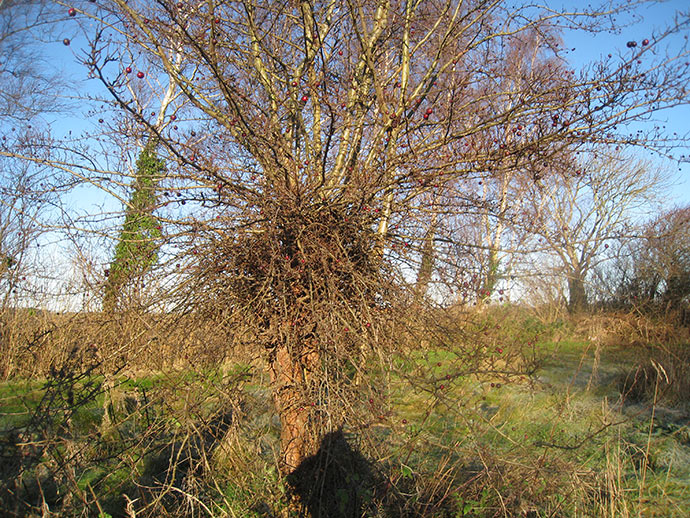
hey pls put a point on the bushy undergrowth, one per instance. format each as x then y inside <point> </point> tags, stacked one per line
<point>34,343</point>
<point>545,427</point>
<point>660,348</point>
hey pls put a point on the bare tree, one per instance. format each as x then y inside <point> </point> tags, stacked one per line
<point>27,193</point>
<point>30,90</point>
<point>28,86</point>
<point>19,210</point>
<point>590,205</point>
<point>318,143</point>
<point>654,268</point>
<point>501,188</point>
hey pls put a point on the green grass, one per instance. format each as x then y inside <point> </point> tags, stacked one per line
<point>571,416</point>
<point>559,444</point>
<point>18,398</point>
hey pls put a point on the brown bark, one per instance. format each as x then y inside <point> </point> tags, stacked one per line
<point>290,380</point>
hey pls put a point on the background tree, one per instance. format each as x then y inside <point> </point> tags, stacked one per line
<point>136,251</point>
<point>656,270</point>
<point>28,84</point>
<point>670,239</point>
<point>582,210</point>
<point>20,208</point>
<point>25,92</point>
<point>28,191</point>
<point>29,187</point>
<point>501,188</point>
<point>139,239</point>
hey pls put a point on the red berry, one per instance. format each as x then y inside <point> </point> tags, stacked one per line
<point>645,41</point>
<point>404,421</point>
<point>305,98</point>
<point>66,42</point>
<point>140,75</point>
<point>173,117</point>
<point>429,111</point>
<point>128,70</point>
<point>442,387</point>
<point>340,53</point>
<point>72,11</point>
<point>499,350</point>
<point>371,401</point>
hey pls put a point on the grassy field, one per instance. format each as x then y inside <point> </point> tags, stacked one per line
<point>587,434</point>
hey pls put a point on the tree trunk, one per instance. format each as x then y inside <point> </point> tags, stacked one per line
<point>426,265</point>
<point>492,274</point>
<point>577,296</point>
<point>290,385</point>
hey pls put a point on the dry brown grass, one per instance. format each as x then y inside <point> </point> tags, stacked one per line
<point>630,329</point>
<point>35,343</point>
<point>661,348</point>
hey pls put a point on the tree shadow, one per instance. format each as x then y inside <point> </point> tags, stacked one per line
<point>19,494</point>
<point>168,469</point>
<point>336,482</point>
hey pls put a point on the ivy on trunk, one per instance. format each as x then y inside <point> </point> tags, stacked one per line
<point>136,250</point>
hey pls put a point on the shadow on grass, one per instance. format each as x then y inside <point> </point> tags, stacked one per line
<point>171,471</point>
<point>335,482</point>
<point>19,497</point>
<point>339,482</point>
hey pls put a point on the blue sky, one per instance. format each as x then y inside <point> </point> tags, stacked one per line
<point>645,22</point>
